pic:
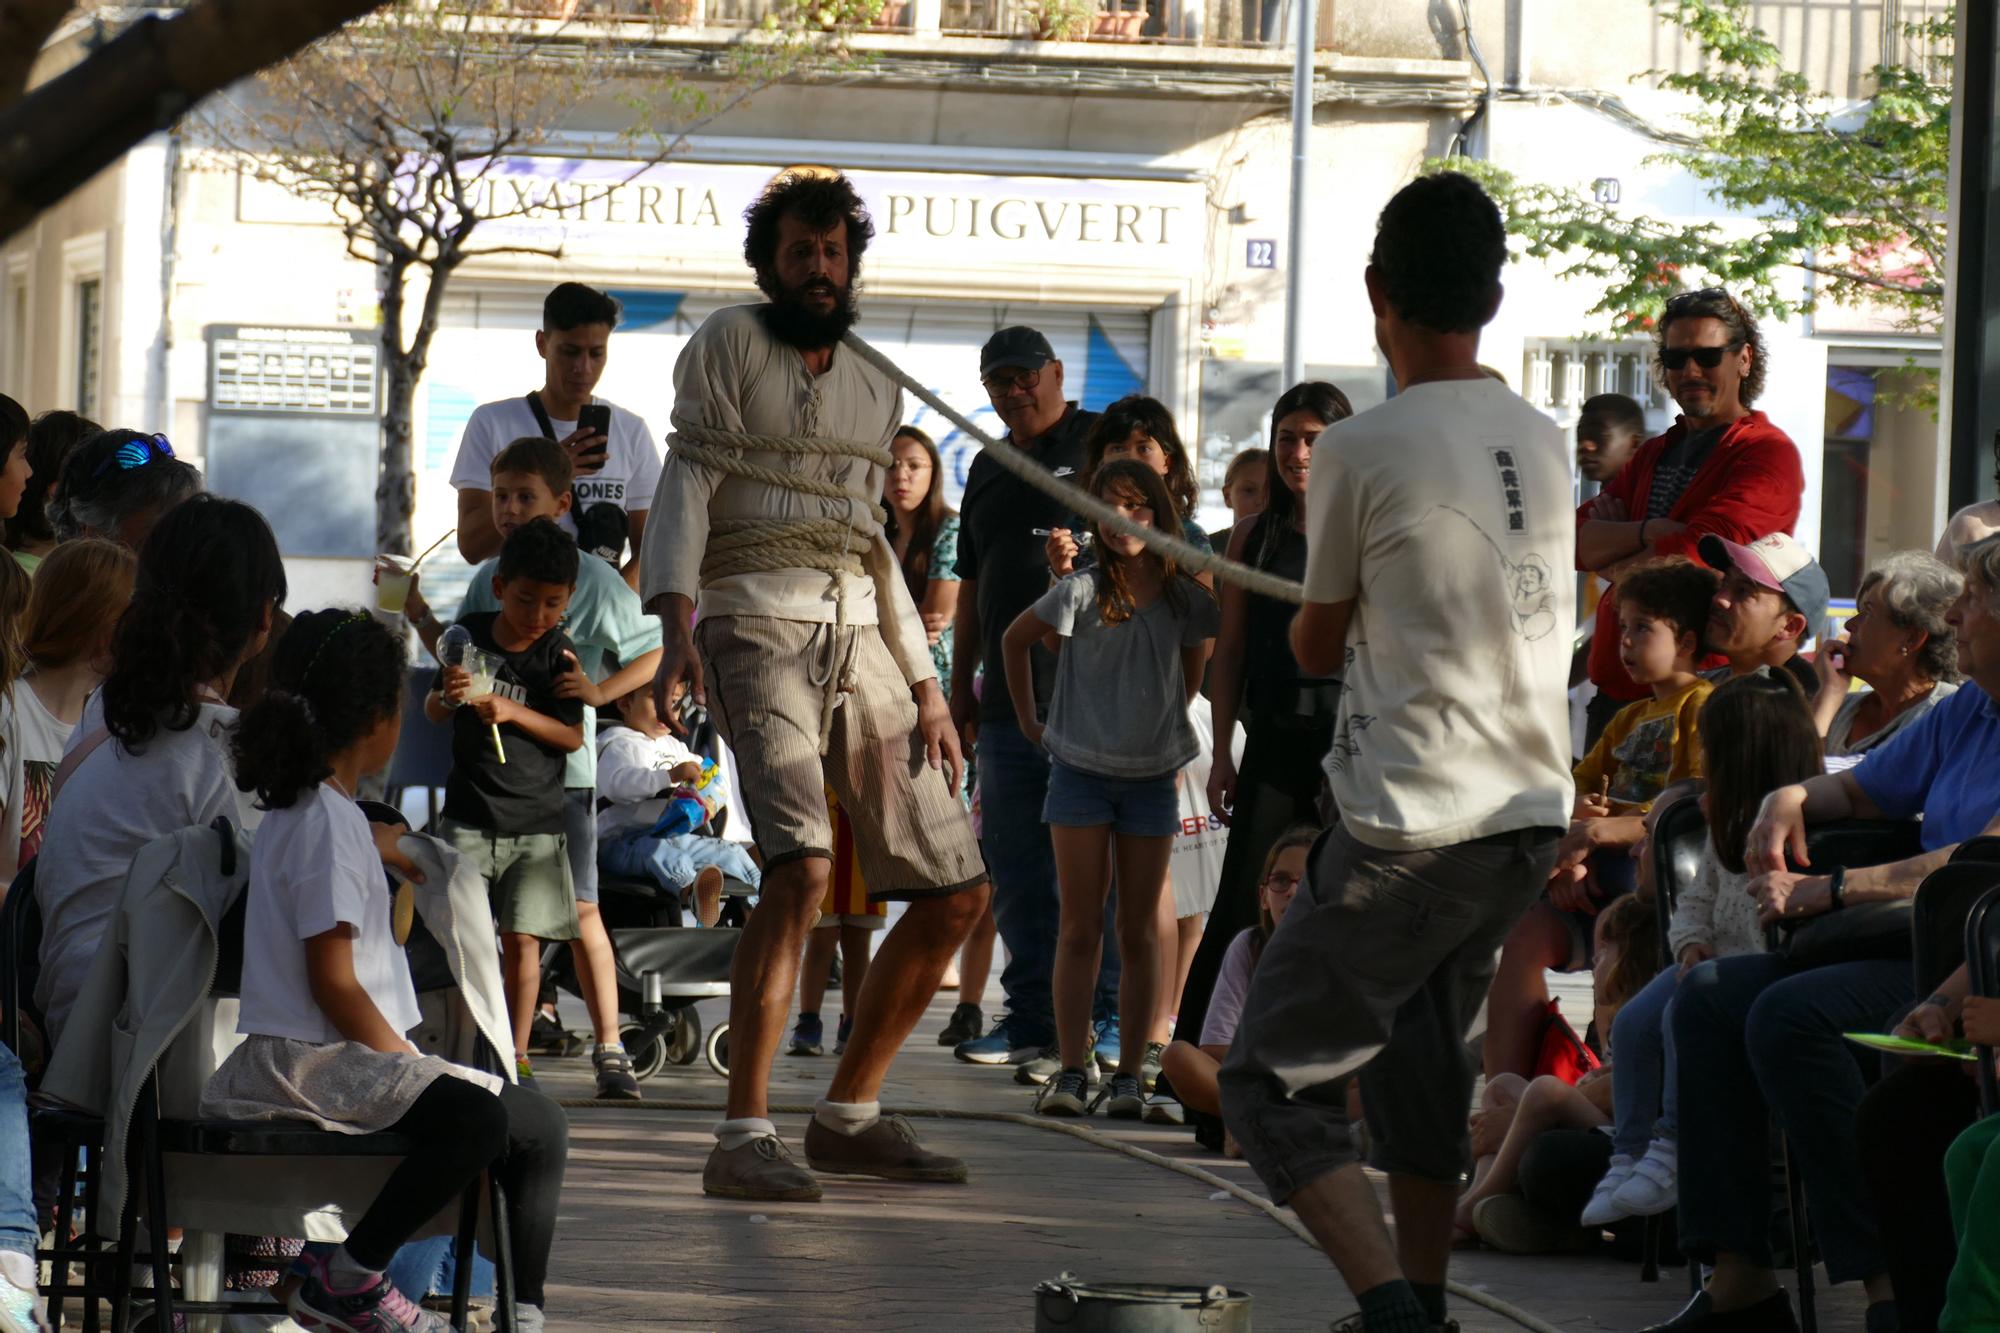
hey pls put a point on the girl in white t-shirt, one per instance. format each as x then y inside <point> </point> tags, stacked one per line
<point>326,992</point>
<point>151,755</point>
<point>1192,1068</point>
<point>80,590</point>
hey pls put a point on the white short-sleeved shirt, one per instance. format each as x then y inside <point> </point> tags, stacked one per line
<point>1232,984</point>
<point>631,462</point>
<point>1445,516</point>
<point>115,803</point>
<point>315,867</point>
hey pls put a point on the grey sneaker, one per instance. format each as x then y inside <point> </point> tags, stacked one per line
<point>760,1169</point>
<point>888,1149</point>
<point>1048,1064</point>
<point>1164,1110</point>
<point>1064,1094</point>
<point>1121,1097</point>
<point>1149,1067</point>
<point>1511,1225</point>
<point>615,1080</point>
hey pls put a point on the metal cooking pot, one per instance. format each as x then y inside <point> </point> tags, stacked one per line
<point>1067,1305</point>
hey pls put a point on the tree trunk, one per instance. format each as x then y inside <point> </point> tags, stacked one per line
<point>396,483</point>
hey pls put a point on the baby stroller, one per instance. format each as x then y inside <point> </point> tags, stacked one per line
<point>664,963</point>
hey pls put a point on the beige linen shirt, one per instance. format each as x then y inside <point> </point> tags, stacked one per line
<point>733,375</point>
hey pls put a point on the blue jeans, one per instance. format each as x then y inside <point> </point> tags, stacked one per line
<point>1756,1043</point>
<point>427,1267</point>
<point>18,1231</point>
<point>1644,1093</point>
<point>672,863</point>
<point>1013,788</point>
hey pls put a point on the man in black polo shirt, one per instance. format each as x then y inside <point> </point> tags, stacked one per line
<point>1004,567</point>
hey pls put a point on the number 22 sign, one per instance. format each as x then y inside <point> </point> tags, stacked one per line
<point>1260,254</point>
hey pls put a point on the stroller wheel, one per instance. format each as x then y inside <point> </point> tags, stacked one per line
<point>683,1043</point>
<point>717,1049</point>
<point>648,1057</point>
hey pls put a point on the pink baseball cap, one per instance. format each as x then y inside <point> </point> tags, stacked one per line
<point>1779,563</point>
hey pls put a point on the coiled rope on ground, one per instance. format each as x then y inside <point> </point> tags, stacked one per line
<point>1263,1205</point>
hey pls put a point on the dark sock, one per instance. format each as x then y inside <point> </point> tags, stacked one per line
<point>1430,1295</point>
<point>1883,1317</point>
<point>1393,1307</point>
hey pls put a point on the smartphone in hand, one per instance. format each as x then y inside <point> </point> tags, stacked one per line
<point>595,417</point>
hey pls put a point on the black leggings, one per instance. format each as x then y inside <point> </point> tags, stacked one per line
<point>461,1129</point>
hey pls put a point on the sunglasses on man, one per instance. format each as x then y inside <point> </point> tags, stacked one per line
<point>1708,358</point>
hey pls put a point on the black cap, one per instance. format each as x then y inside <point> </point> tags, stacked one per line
<point>1019,347</point>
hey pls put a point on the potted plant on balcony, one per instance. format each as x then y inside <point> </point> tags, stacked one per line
<point>1061,20</point>
<point>1117,23</point>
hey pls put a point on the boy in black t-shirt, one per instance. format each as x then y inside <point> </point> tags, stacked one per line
<point>506,814</point>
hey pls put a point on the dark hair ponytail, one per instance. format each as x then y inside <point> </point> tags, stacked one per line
<point>208,576</point>
<point>338,674</point>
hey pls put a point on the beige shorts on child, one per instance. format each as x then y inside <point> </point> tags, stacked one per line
<point>765,678</point>
<point>527,878</point>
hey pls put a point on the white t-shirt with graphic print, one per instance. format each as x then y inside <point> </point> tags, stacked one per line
<point>1445,515</point>
<point>631,468</point>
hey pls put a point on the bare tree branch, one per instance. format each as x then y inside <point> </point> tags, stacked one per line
<point>66,131</point>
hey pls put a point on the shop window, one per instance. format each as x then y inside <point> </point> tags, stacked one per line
<point>89,342</point>
<point>1850,437</point>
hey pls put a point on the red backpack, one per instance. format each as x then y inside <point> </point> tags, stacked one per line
<point>1561,1051</point>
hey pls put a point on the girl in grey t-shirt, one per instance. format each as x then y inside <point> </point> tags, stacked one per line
<point>1131,635</point>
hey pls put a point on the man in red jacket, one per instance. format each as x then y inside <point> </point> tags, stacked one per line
<point>1722,469</point>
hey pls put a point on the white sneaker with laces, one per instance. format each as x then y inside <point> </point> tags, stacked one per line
<point>1603,1210</point>
<point>1654,1186</point>
<point>21,1309</point>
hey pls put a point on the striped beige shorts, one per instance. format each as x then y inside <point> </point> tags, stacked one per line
<point>765,677</point>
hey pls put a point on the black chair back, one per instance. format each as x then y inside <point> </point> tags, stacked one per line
<point>1982,966</point>
<point>1985,847</point>
<point>1862,842</point>
<point>1679,834</point>
<point>1939,917</point>
<point>20,954</point>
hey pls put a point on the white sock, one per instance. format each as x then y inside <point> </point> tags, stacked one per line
<point>849,1118</point>
<point>347,1271</point>
<point>733,1134</point>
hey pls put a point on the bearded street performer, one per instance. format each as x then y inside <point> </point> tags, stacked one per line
<point>813,660</point>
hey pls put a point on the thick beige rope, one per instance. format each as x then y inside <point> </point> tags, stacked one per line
<point>1191,558</point>
<point>833,546</point>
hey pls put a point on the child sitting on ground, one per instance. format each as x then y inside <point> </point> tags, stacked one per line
<point>1192,1068</point>
<point>1757,734</point>
<point>640,765</point>
<point>531,480</point>
<point>327,999</point>
<point>1515,1112</point>
<point>503,804</point>
<point>1647,746</point>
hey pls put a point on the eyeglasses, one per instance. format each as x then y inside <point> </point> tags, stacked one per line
<point>1004,383</point>
<point>1681,300</point>
<point>134,454</point>
<point>1708,358</point>
<point>1281,883</point>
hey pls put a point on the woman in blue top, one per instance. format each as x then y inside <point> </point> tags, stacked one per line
<point>1758,1037</point>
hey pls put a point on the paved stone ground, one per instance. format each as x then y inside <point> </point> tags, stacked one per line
<point>639,1246</point>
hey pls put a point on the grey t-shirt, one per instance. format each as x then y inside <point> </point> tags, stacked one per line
<point>1677,466</point>
<point>1839,743</point>
<point>1120,705</point>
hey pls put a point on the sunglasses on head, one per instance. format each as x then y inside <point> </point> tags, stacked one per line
<point>1708,358</point>
<point>135,454</point>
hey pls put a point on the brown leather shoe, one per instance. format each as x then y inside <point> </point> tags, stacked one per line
<point>761,1169</point>
<point>888,1149</point>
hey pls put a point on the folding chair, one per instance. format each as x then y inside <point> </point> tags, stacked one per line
<point>1679,831</point>
<point>71,1133</point>
<point>1982,959</point>
<point>155,1137</point>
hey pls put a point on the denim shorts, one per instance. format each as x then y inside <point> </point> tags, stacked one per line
<point>1137,807</point>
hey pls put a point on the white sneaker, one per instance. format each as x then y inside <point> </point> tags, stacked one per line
<point>1602,1211</point>
<point>21,1309</point>
<point>1654,1186</point>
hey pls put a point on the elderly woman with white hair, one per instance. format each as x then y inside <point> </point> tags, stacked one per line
<point>1897,644</point>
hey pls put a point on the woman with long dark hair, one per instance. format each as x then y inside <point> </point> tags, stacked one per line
<point>923,532</point>
<point>1288,716</point>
